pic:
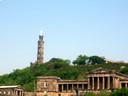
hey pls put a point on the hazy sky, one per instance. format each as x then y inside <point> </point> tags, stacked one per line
<point>70,28</point>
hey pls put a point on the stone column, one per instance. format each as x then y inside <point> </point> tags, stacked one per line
<point>12,92</point>
<point>82,86</point>
<point>120,85</point>
<point>108,82</point>
<point>20,93</point>
<point>113,82</point>
<point>23,93</point>
<point>103,83</point>
<point>88,82</point>
<point>72,87</point>
<point>92,82</point>
<point>98,87</point>
<point>16,92</point>
<point>77,86</point>
<point>67,87</point>
<point>62,87</point>
<point>126,85</point>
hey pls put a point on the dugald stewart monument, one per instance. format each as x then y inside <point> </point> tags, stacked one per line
<point>77,80</point>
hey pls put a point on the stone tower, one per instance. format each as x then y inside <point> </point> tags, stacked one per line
<point>40,52</point>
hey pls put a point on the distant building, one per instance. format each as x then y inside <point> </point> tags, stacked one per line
<point>15,90</point>
<point>40,51</point>
<point>111,61</point>
<point>99,79</point>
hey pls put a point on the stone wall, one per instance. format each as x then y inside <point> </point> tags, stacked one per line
<point>29,94</point>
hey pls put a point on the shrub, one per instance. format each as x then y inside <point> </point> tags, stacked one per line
<point>120,92</point>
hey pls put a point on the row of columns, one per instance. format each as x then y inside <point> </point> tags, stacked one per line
<point>6,91</point>
<point>11,92</point>
<point>71,87</point>
<point>100,81</point>
<point>124,84</point>
<point>18,92</point>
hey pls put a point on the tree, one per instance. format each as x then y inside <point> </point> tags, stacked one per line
<point>96,60</point>
<point>81,60</point>
<point>59,60</point>
<point>120,92</point>
<point>69,73</point>
<point>57,63</point>
<point>124,70</point>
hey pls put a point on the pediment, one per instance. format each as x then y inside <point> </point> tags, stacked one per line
<point>110,72</point>
<point>100,70</point>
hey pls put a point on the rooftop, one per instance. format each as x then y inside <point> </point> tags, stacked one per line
<point>13,86</point>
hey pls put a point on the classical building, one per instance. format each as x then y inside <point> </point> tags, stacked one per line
<point>40,51</point>
<point>102,79</point>
<point>97,80</point>
<point>11,91</point>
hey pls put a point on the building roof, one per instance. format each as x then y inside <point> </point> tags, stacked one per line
<point>12,86</point>
<point>111,72</point>
<point>100,70</point>
<point>48,77</point>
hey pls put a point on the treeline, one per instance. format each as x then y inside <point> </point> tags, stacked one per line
<point>84,60</point>
<point>57,67</point>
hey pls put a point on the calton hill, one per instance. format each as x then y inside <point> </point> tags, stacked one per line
<point>65,69</point>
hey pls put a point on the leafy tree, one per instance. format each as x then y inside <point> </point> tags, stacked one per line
<point>124,70</point>
<point>57,63</point>
<point>39,70</point>
<point>120,92</point>
<point>81,60</point>
<point>73,73</point>
<point>29,87</point>
<point>96,60</point>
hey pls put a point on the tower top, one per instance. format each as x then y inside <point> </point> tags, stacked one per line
<point>41,32</point>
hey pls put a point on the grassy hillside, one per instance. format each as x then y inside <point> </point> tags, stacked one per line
<point>27,76</point>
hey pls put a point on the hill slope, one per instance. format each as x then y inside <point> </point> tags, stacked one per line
<point>27,76</point>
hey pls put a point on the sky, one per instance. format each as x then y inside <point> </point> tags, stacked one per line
<point>70,28</point>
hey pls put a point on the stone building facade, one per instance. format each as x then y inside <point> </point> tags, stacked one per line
<point>54,86</point>
<point>97,80</point>
<point>102,79</point>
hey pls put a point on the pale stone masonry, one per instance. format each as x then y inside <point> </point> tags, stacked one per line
<point>54,86</point>
<point>97,80</point>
